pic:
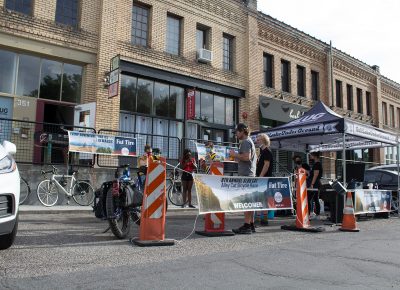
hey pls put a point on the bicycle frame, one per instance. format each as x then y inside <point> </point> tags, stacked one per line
<point>60,187</point>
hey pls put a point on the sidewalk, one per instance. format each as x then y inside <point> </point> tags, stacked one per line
<point>38,209</point>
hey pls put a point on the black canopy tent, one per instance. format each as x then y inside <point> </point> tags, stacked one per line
<point>321,129</point>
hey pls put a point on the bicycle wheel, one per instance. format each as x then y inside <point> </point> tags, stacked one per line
<point>83,193</point>
<point>25,190</point>
<point>175,195</point>
<point>47,193</point>
<point>118,217</point>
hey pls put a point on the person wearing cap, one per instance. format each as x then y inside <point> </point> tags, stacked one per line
<point>247,160</point>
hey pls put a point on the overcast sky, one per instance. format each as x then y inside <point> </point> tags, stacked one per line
<point>366,29</point>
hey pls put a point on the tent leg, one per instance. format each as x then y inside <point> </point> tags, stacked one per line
<point>344,160</point>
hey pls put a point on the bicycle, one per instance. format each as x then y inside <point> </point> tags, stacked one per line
<point>174,190</point>
<point>25,190</point>
<point>47,192</point>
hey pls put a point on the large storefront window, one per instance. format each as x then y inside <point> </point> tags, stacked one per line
<point>219,110</point>
<point>215,109</point>
<point>151,98</point>
<point>7,71</point>
<point>31,76</point>
<point>28,76</point>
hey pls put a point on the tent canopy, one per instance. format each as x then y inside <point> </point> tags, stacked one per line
<point>321,129</point>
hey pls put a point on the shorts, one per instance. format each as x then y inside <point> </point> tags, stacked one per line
<point>187,176</point>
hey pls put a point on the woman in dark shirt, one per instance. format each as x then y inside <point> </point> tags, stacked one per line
<point>188,164</point>
<point>314,181</point>
<point>264,165</point>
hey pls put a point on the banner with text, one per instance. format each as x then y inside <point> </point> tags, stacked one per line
<point>236,194</point>
<point>372,201</point>
<point>220,153</point>
<point>101,144</point>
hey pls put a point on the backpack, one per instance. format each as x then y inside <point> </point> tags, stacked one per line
<point>99,204</point>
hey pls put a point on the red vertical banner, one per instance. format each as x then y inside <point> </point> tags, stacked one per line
<point>190,104</point>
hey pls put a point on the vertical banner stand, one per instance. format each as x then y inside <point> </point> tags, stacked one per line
<point>152,222</point>
<point>302,217</point>
<point>214,224</point>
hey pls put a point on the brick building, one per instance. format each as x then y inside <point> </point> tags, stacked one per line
<point>55,56</point>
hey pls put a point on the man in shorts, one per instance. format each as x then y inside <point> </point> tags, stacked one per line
<point>247,161</point>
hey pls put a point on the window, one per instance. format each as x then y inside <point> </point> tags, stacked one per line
<point>349,97</point>
<point>228,52</point>
<point>391,116</point>
<point>300,81</point>
<point>28,76</point>
<point>161,96</point>
<point>219,110</point>
<point>207,107</point>
<point>359,101</point>
<point>145,96</point>
<point>215,109</point>
<point>128,93</point>
<point>50,83</point>
<point>369,102</point>
<point>230,112</point>
<point>21,6</point>
<point>67,12</point>
<point>268,70</point>
<point>315,85</point>
<point>173,35</point>
<point>338,94</point>
<point>176,96</point>
<point>202,37</point>
<point>384,113</point>
<point>71,83</point>
<point>8,61</point>
<point>398,117</point>
<point>140,25</point>
<point>285,76</point>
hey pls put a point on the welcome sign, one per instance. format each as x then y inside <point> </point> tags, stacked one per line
<point>101,144</point>
<point>237,194</point>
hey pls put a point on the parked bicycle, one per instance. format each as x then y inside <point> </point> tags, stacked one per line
<point>48,190</point>
<point>25,190</point>
<point>174,189</point>
<point>123,201</point>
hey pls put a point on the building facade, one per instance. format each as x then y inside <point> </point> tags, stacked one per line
<point>55,67</point>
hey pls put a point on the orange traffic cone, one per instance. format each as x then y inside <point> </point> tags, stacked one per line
<point>349,223</point>
<point>214,224</point>
<point>302,217</point>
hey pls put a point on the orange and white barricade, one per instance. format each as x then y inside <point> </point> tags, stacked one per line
<point>302,216</point>
<point>152,222</point>
<point>214,223</point>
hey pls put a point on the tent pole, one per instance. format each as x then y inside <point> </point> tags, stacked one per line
<point>344,160</point>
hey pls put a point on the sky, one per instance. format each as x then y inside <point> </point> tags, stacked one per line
<point>368,30</point>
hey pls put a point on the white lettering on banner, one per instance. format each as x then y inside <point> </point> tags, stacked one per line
<point>308,119</point>
<point>277,185</point>
<point>248,205</point>
<point>372,133</point>
<point>297,131</point>
<point>293,115</point>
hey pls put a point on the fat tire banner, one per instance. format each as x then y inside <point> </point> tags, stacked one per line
<point>237,194</point>
<point>101,144</point>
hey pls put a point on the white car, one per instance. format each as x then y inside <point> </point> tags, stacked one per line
<point>9,195</point>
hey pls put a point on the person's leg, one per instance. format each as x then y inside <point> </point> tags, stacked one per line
<point>184,191</point>
<point>317,204</point>
<point>189,191</point>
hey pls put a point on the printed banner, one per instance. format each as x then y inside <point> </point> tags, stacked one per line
<point>372,201</point>
<point>236,194</point>
<point>101,144</point>
<point>216,153</point>
<point>191,105</point>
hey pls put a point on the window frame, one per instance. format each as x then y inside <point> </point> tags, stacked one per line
<point>17,11</point>
<point>339,93</point>
<point>286,78</point>
<point>384,113</point>
<point>350,97</point>
<point>301,88</point>
<point>315,85</point>
<point>360,105</point>
<point>227,66</point>
<point>368,98</point>
<point>268,70</point>
<point>180,36</point>
<point>148,23</point>
<point>78,15</point>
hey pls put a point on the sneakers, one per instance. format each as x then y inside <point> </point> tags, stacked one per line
<point>243,230</point>
<point>253,228</point>
<point>191,206</point>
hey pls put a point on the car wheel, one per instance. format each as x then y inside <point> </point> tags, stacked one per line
<point>6,241</point>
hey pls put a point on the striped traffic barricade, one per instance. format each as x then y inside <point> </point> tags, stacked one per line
<point>152,222</point>
<point>302,216</point>
<point>214,223</point>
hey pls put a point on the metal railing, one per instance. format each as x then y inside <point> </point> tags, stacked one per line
<point>43,143</point>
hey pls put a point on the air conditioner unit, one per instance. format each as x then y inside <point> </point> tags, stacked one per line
<point>204,55</point>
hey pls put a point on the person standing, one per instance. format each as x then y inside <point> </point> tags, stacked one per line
<point>264,165</point>
<point>246,167</point>
<point>315,182</point>
<point>188,164</point>
<point>298,163</point>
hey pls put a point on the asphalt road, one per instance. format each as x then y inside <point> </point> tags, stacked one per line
<point>69,250</point>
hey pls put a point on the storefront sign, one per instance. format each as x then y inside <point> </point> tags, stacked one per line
<point>236,194</point>
<point>113,90</point>
<point>372,201</point>
<point>114,76</point>
<point>279,110</point>
<point>101,144</point>
<point>191,105</point>
<point>114,63</point>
